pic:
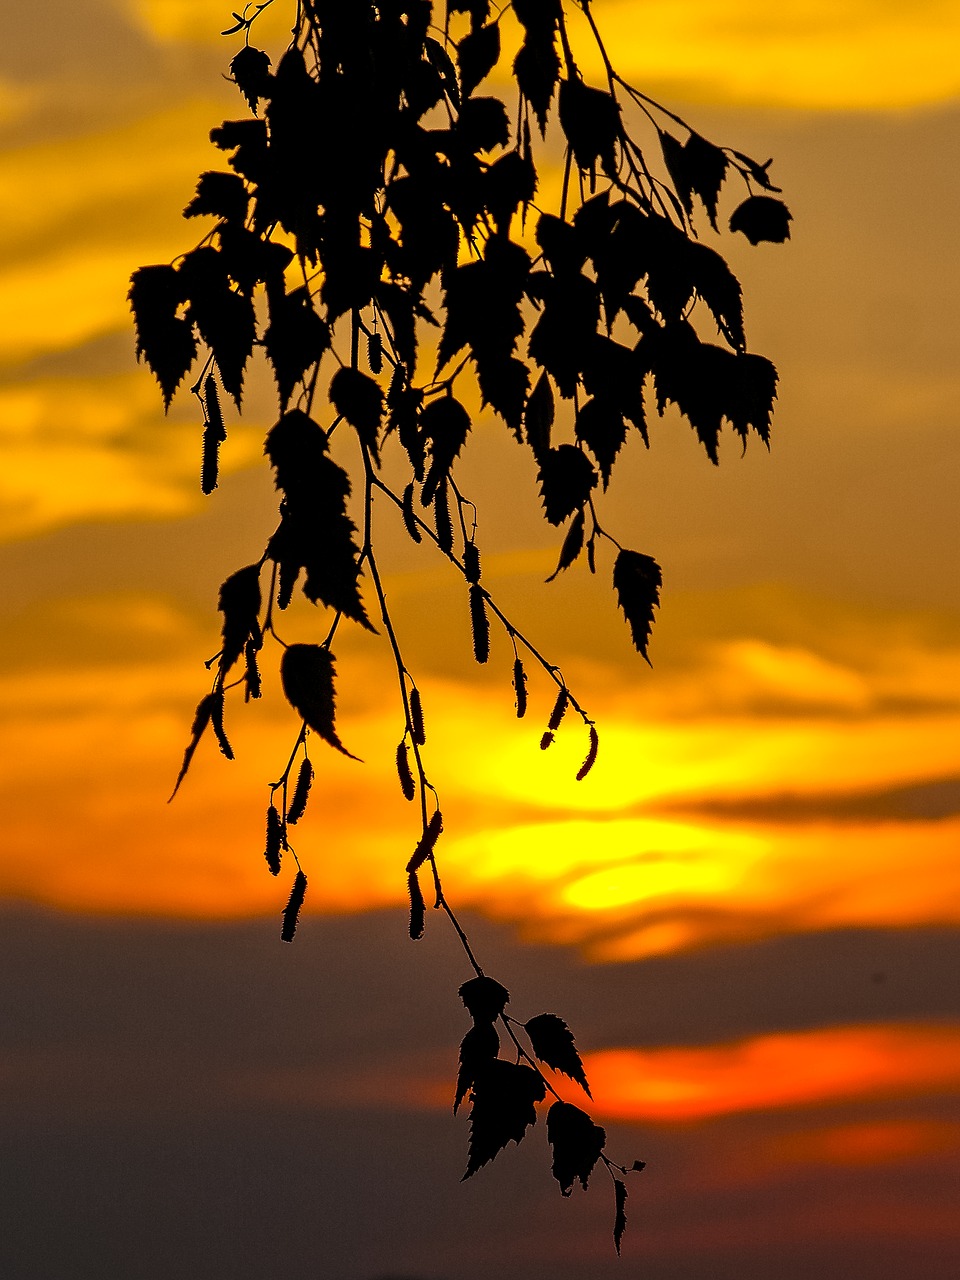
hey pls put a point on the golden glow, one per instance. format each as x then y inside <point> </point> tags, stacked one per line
<point>771,1071</point>
<point>807,54</point>
<point>204,20</point>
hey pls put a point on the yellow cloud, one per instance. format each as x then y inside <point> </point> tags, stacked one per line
<point>867,55</point>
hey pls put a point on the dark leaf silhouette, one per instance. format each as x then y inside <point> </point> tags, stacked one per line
<point>315,532</point>
<point>224,317</point>
<point>359,399</point>
<point>601,427</point>
<point>164,339</point>
<point>477,55</point>
<point>590,118</point>
<point>479,1046</point>
<point>479,623</point>
<point>445,424</point>
<point>637,581</point>
<point>566,479</point>
<point>553,1044</point>
<point>591,758</point>
<point>762,218</point>
<point>201,719</point>
<point>301,791</point>
<point>537,69</point>
<point>503,1108</point>
<point>274,844</point>
<point>572,544</point>
<point>697,168</point>
<point>485,999</point>
<point>291,912</point>
<point>295,339</point>
<point>239,603</point>
<point>538,417</point>
<point>224,195</point>
<point>620,1219</point>
<point>251,70</point>
<point>418,908</point>
<point>577,1144</point>
<point>307,673</point>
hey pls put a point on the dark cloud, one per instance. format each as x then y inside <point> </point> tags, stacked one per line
<point>928,801</point>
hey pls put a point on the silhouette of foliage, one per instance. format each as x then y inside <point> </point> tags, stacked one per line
<point>383,195</point>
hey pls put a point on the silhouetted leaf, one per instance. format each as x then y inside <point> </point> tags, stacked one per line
<point>620,1220</point>
<point>164,339</point>
<point>762,218</point>
<point>223,195</point>
<point>224,317</point>
<point>201,719</point>
<point>477,55</point>
<point>577,1143</point>
<point>482,124</point>
<point>552,1042</point>
<point>274,842</point>
<point>298,801</point>
<point>591,758</point>
<point>248,140</point>
<point>566,479</point>
<point>537,70</point>
<point>757,171</point>
<point>590,118</point>
<point>315,532</point>
<point>445,424</point>
<point>503,1107</point>
<point>538,417</point>
<point>520,687</point>
<point>485,998</point>
<point>403,772</point>
<point>251,70</point>
<point>479,10</point>
<point>509,183</point>
<point>697,167</point>
<point>307,674</point>
<point>295,339</point>
<point>572,544</point>
<point>479,1046</point>
<point>239,602</point>
<point>753,391</point>
<point>637,581</point>
<point>601,427</point>
<point>441,60</point>
<point>359,399</point>
<point>479,624</point>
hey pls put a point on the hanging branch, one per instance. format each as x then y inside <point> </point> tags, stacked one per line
<point>372,164</point>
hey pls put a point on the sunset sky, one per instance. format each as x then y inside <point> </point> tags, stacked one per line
<point>749,912</point>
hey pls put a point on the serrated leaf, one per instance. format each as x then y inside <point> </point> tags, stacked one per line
<point>620,1218</point>
<point>553,1043</point>
<point>477,55</point>
<point>307,674</point>
<point>479,1045</point>
<point>538,417</point>
<point>485,998</point>
<point>165,340</point>
<point>566,479</point>
<point>250,68</point>
<point>223,195</point>
<point>637,580</point>
<point>503,1108</point>
<point>239,602</point>
<point>572,544</point>
<point>359,399</point>
<point>201,719</point>
<point>577,1144</point>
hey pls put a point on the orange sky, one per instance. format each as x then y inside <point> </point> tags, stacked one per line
<point>792,763</point>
